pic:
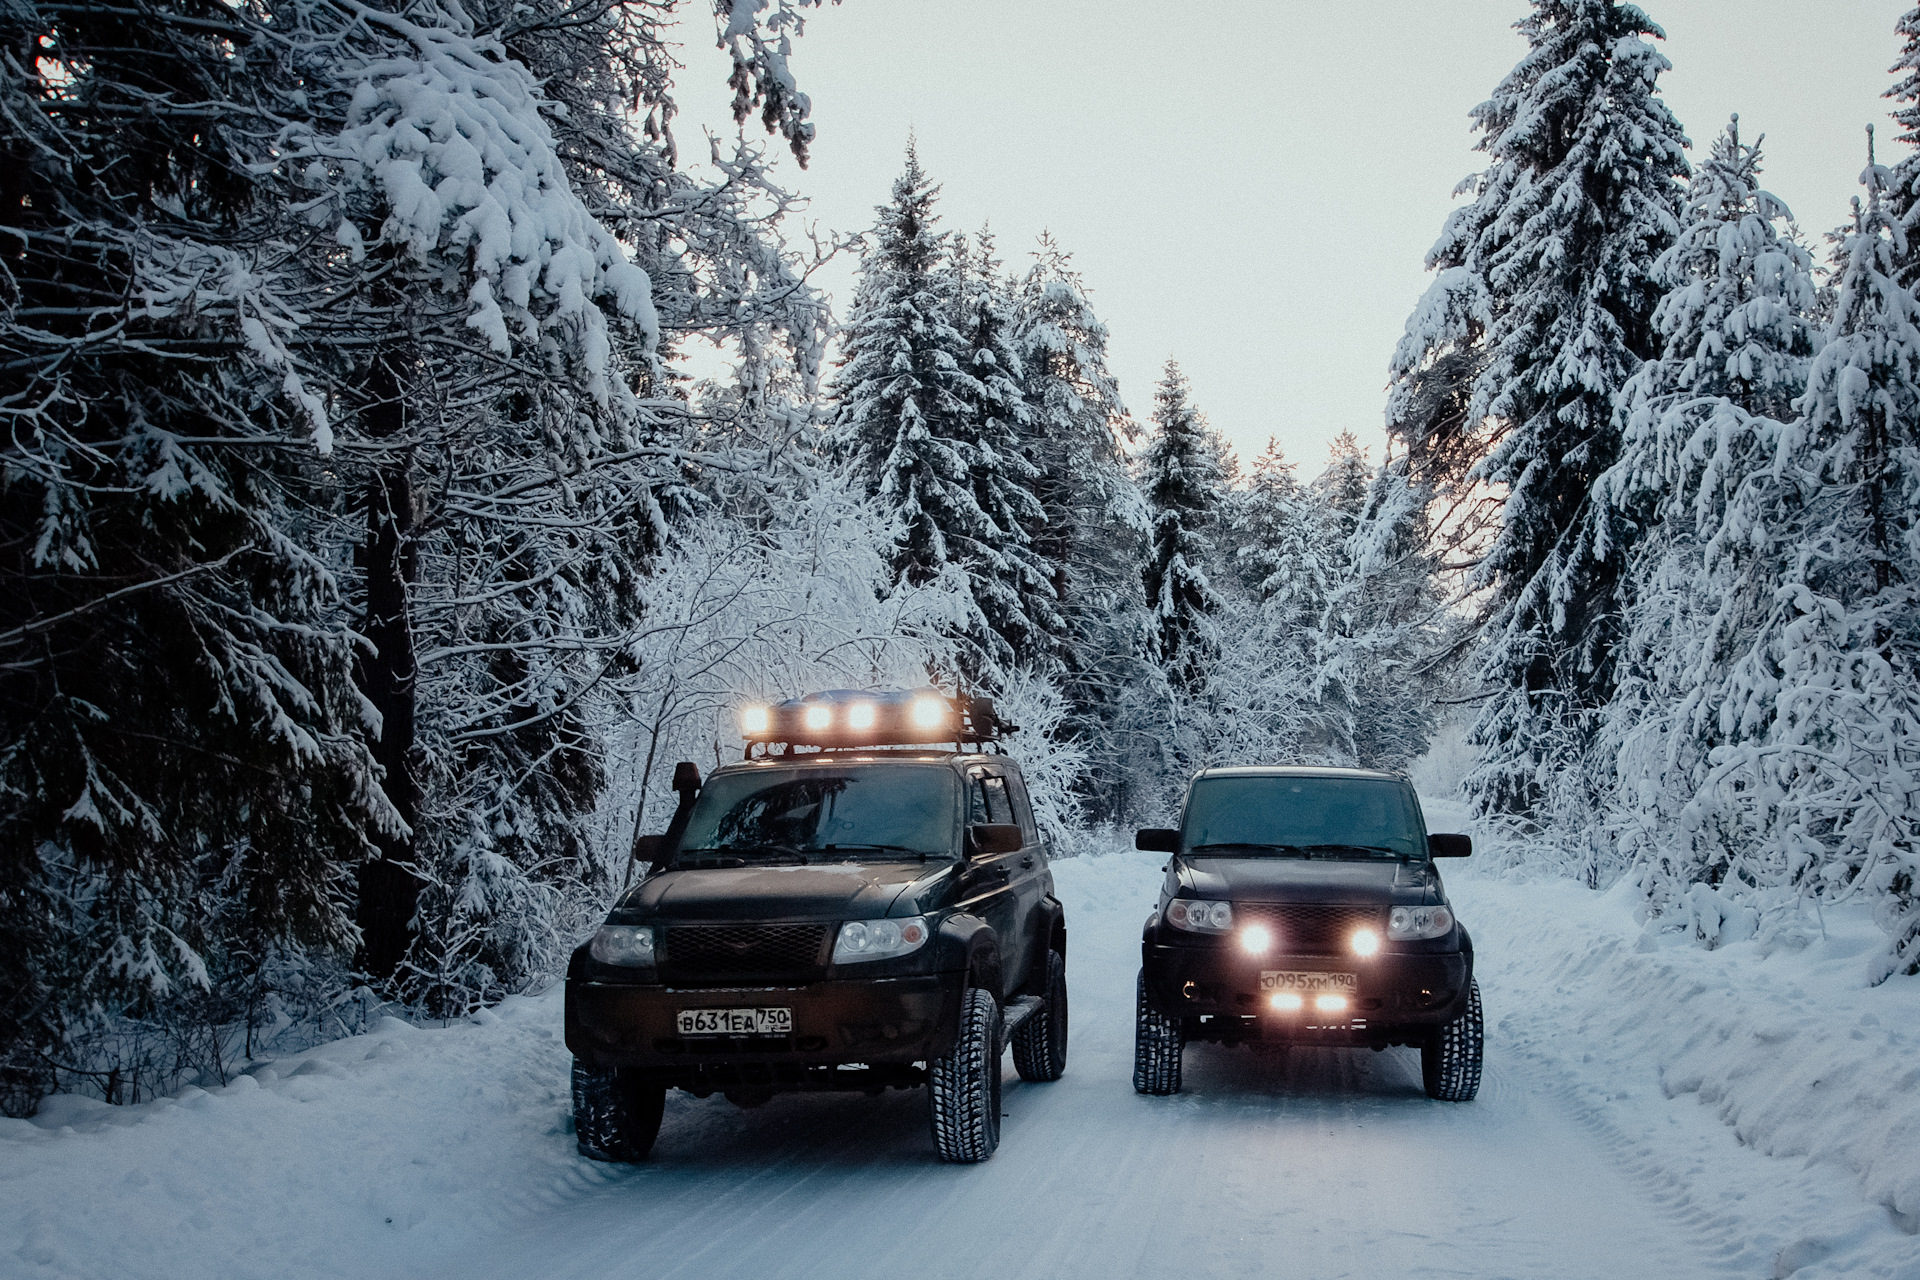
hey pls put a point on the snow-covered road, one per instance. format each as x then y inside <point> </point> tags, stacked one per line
<point>444,1152</point>
<point>1319,1163</point>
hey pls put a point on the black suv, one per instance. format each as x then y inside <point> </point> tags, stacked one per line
<point>848,918</point>
<point>1302,905</point>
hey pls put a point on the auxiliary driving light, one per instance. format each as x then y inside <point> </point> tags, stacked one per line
<point>1365,942</point>
<point>1330,1004</point>
<point>1256,938</point>
<point>929,713</point>
<point>860,716</point>
<point>819,717</point>
<point>1287,1002</point>
<point>756,720</point>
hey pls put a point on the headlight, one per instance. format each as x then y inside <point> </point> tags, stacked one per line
<point>627,945</point>
<point>1405,924</point>
<point>755,720</point>
<point>929,713</point>
<point>879,939</point>
<point>1200,917</point>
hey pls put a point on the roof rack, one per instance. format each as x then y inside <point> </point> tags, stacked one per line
<point>842,718</point>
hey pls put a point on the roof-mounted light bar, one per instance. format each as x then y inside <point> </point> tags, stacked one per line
<point>873,718</point>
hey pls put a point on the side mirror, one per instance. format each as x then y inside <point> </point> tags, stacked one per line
<point>647,848</point>
<point>990,838</point>
<point>686,779</point>
<point>1157,840</point>
<point>1450,846</point>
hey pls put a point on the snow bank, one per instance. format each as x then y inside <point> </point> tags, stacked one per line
<point>1791,1048</point>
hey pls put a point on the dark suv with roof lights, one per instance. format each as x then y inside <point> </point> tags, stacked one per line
<point>1302,905</point>
<point>849,918</point>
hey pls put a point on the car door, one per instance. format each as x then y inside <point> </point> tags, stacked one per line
<point>988,886</point>
<point>1031,874</point>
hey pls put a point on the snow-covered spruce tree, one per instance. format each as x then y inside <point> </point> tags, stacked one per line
<point>1903,186</point>
<point>1094,526</point>
<point>1816,789</point>
<point>187,789</point>
<point>909,406</point>
<point>1700,422</point>
<point>1556,251</point>
<point>1013,584</point>
<point>1383,632</point>
<point>1179,475</point>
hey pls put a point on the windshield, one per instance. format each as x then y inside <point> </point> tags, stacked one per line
<point>1303,817</point>
<point>852,812</point>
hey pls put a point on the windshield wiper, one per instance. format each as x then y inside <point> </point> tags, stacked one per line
<point>874,848</point>
<point>1218,850</point>
<point>744,851</point>
<point>1363,848</point>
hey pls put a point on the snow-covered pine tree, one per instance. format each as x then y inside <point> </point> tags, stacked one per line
<point>1552,264</point>
<point>1180,477</point>
<point>1903,186</point>
<point>1012,583</point>
<point>1699,423</point>
<point>907,410</point>
<point>187,789</point>
<point>1095,522</point>
<point>1816,790</point>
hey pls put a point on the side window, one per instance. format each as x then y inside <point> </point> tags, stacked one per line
<point>977,797</point>
<point>1022,811</point>
<point>999,807</point>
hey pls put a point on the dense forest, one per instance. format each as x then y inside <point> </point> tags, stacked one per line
<point>372,553</point>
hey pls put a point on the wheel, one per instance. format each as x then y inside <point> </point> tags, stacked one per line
<point>1040,1044</point>
<point>1450,1059</point>
<point>963,1088</point>
<point>1157,1044</point>
<point>615,1115</point>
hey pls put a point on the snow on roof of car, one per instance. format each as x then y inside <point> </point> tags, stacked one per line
<point>1296,771</point>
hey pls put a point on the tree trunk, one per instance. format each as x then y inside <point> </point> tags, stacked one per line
<point>388,889</point>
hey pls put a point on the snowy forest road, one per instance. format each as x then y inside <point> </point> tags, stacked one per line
<point>1630,1093</point>
<point>1316,1163</point>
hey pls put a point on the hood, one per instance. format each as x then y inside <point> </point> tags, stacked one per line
<point>832,891</point>
<point>1305,880</point>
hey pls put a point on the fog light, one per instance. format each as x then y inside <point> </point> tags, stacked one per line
<point>1286,1002</point>
<point>1365,942</point>
<point>1330,1004</point>
<point>755,719</point>
<point>1255,938</point>
<point>929,713</point>
<point>860,716</point>
<point>819,717</point>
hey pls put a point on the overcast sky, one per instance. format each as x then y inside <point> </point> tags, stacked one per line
<point>1251,187</point>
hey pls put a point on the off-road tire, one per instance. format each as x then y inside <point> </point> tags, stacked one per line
<point>1450,1059</point>
<point>616,1116</point>
<point>1040,1043</point>
<point>1157,1045</point>
<point>963,1088</point>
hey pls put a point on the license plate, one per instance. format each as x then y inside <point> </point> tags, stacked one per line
<point>1307,983</point>
<point>735,1022</point>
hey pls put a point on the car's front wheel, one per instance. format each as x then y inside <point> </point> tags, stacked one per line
<point>616,1116</point>
<point>1158,1042</point>
<point>963,1088</point>
<point>1450,1058</point>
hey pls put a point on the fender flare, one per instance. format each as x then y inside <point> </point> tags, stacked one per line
<point>968,944</point>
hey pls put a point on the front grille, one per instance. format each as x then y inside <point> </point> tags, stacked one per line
<point>697,952</point>
<point>1310,928</point>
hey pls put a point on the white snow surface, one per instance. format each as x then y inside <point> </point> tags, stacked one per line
<point>1662,1112</point>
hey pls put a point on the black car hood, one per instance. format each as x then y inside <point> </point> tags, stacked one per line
<point>1304,880</point>
<point>823,891</point>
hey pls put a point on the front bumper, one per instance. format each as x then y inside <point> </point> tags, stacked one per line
<point>879,1022</point>
<point>1215,993</point>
